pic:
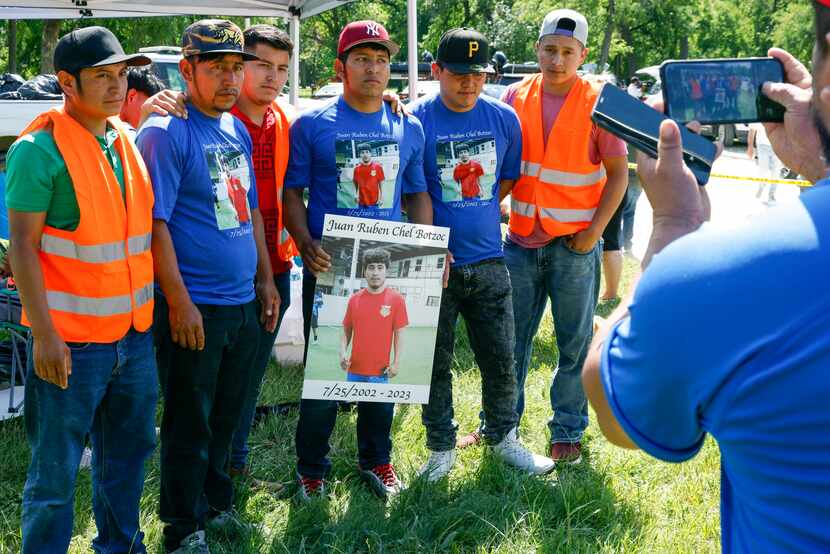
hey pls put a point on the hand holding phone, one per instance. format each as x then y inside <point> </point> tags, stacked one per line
<point>721,90</point>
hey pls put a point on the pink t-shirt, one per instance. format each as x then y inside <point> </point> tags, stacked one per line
<point>603,145</point>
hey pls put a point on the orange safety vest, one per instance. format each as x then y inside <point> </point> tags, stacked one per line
<point>99,277</point>
<point>286,249</point>
<point>558,184</point>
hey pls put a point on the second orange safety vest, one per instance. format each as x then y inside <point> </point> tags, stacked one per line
<point>99,277</point>
<point>559,183</point>
<point>286,249</point>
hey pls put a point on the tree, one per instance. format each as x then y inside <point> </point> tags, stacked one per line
<point>51,33</point>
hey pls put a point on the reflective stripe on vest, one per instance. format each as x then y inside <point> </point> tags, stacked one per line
<point>139,244</point>
<point>84,305</point>
<point>101,307</point>
<point>143,295</point>
<point>95,253</point>
<point>559,214</point>
<point>562,178</point>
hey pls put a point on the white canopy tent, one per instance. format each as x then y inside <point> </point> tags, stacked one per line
<point>292,10</point>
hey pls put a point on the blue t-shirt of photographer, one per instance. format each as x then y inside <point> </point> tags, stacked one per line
<point>354,163</point>
<point>467,154</point>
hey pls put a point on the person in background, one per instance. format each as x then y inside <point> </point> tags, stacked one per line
<point>142,83</point>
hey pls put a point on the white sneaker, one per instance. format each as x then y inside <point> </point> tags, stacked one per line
<point>86,459</point>
<point>517,455</point>
<point>194,543</point>
<point>438,465</point>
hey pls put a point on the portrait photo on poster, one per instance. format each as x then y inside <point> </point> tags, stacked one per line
<point>231,179</point>
<point>375,312</point>
<point>368,170</point>
<point>468,168</point>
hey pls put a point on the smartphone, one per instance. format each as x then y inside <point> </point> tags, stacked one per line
<point>639,125</point>
<point>721,90</point>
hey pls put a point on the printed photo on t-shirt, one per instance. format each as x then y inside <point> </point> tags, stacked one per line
<point>375,312</point>
<point>231,178</point>
<point>368,170</point>
<point>467,168</point>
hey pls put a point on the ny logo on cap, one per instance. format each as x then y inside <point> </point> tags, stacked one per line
<point>372,29</point>
<point>472,48</point>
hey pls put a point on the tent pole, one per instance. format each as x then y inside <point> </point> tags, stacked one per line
<point>294,31</point>
<point>412,46</point>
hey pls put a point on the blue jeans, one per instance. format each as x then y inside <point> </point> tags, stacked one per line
<point>112,395</point>
<point>571,280</point>
<point>239,446</point>
<point>354,378</point>
<point>632,194</point>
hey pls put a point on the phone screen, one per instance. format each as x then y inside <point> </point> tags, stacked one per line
<point>721,91</point>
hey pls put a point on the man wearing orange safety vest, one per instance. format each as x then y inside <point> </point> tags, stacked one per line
<point>80,213</point>
<point>267,122</point>
<point>573,177</point>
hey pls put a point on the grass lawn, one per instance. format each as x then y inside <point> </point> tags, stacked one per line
<point>615,501</point>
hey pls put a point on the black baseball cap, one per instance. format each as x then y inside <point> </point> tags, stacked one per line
<point>214,36</point>
<point>92,47</point>
<point>464,51</point>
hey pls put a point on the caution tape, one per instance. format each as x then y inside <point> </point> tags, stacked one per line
<point>796,182</point>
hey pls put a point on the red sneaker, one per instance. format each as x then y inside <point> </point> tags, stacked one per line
<point>383,480</point>
<point>310,488</point>
<point>566,452</point>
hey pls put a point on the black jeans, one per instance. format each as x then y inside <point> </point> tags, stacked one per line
<point>481,294</point>
<point>203,396</point>
<point>317,419</point>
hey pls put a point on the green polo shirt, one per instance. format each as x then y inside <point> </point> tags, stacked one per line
<point>37,179</point>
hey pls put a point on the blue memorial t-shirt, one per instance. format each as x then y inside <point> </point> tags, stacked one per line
<point>729,335</point>
<point>205,189</point>
<point>467,154</point>
<point>344,157</point>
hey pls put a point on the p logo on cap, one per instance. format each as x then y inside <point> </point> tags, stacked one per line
<point>472,48</point>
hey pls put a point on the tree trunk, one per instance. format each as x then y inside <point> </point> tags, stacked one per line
<point>632,61</point>
<point>12,44</point>
<point>51,30</point>
<point>684,46</point>
<point>606,39</point>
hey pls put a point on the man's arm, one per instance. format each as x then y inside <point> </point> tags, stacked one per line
<point>52,358</point>
<point>345,339</point>
<point>679,209</point>
<point>505,186</point>
<point>419,208</point>
<point>295,218</point>
<point>186,325</point>
<point>616,169</point>
<point>397,344</point>
<point>265,287</point>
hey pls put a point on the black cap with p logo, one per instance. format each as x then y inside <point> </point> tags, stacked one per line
<point>464,51</point>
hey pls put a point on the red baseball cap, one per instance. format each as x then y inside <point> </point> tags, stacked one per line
<point>363,32</point>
